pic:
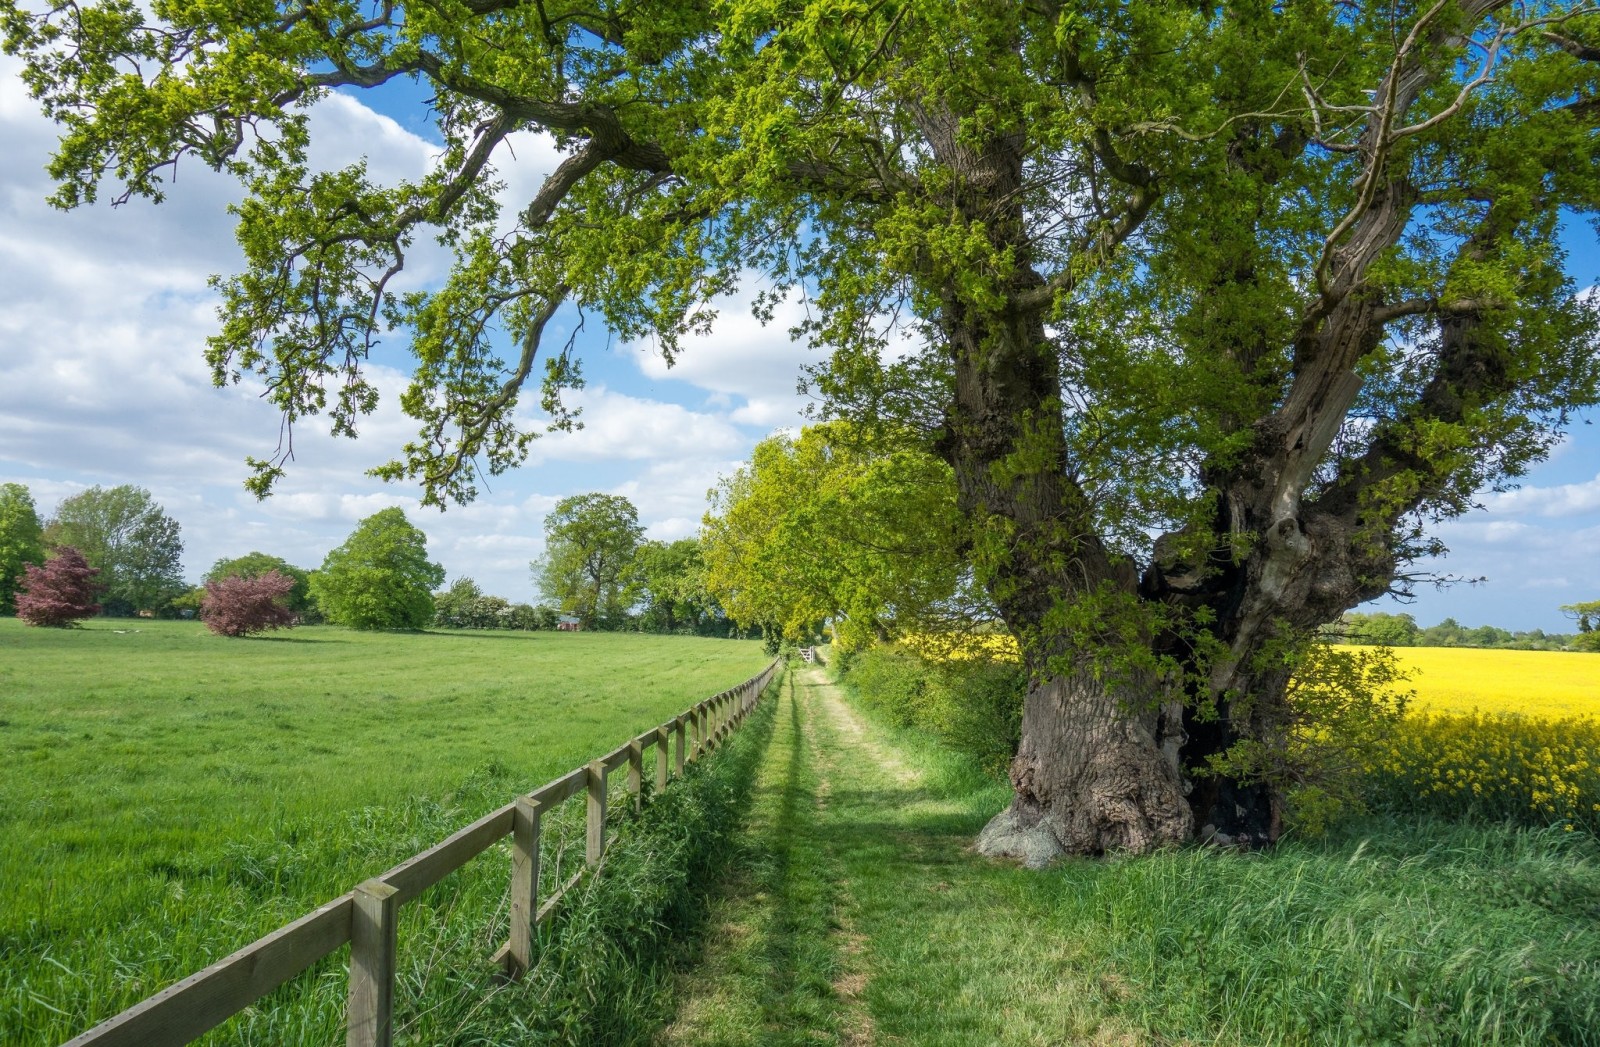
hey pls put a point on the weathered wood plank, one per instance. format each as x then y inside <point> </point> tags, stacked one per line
<point>636,773</point>
<point>595,840</point>
<point>568,785</point>
<point>419,872</point>
<point>374,928</point>
<point>661,759</point>
<point>615,758</point>
<point>524,881</point>
<point>191,1007</point>
<point>551,902</point>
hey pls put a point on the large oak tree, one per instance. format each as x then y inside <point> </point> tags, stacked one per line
<point>1278,283</point>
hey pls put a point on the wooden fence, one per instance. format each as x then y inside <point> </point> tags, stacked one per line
<point>368,916</point>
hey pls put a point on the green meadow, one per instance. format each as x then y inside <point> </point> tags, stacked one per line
<point>168,796</point>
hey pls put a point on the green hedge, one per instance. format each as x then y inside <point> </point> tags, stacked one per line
<point>973,706</point>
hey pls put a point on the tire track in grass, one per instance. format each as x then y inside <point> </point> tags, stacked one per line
<point>774,953</point>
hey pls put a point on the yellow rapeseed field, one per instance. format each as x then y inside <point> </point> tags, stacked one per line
<point>1533,683</point>
<point>1511,735</point>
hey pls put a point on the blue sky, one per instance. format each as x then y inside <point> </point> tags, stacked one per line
<point>103,317</point>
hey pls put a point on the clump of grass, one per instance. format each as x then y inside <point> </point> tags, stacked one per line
<point>1394,931</point>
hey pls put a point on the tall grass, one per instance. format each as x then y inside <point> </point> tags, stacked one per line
<point>1402,929</point>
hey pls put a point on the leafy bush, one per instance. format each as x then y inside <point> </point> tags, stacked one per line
<point>254,564</point>
<point>974,704</point>
<point>59,593</point>
<point>1342,702</point>
<point>465,606</point>
<point>523,616</point>
<point>238,605</point>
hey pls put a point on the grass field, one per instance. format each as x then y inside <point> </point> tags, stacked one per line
<point>861,915</point>
<point>168,795</point>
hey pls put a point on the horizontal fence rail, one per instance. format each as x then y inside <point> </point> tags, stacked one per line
<point>367,917</point>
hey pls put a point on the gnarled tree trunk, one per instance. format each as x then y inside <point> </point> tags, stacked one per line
<point>1094,774</point>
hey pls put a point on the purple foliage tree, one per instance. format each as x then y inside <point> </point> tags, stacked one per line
<point>239,606</point>
<point>60,592</point>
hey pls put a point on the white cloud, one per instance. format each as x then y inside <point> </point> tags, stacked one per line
<point>741,357</point>
<point>1529,568</point>
<point>1562,500</point>
<point>621,427</point>
<point>671,494</point>
<point>103,319</point>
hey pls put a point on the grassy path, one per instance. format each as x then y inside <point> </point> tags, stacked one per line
<point>858,915</point>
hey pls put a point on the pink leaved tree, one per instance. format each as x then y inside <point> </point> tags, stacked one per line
<point>60,592</point>
<point>239,606</point>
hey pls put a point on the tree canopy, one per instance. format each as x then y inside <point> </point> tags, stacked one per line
<point>255,564</point>
<point>243,604</point>
<point>59,592</point>
<point>1586,614</point>
<point>589,542</point>
<point>821,526</point>
<point>124,533</point>
<point>669,580</point>
<point>1215,309</point>
<point>380,578</point>
<point>21,541</point>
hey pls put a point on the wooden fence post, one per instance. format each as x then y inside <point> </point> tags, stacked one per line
<point>374,925</point>
<point>524,883</point>
<point>636,773</point>
<point>661,758</point>
<point>682,730</point>
<point>596,842</point>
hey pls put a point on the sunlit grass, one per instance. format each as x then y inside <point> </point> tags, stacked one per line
<point>167,796</point>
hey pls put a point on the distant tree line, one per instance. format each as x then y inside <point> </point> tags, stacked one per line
<point>1380,628</point>
<point>134,547</point>
<point>120,554</point>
